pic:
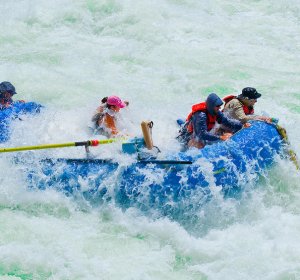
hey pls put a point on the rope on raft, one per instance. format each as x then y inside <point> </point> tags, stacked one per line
<point>292,155</point>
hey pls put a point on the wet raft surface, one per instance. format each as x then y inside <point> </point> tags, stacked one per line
<point>159,183</point>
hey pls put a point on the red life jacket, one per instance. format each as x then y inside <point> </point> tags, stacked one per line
<point>210,119</point>
<point>247,110</point>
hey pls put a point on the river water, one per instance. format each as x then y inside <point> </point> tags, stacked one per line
<point>161,56</point>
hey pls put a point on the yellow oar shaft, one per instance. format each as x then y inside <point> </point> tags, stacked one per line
<point>39,147</point>
<point>54,146</point>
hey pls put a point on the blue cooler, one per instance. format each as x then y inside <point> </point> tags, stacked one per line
<point>133,145</point>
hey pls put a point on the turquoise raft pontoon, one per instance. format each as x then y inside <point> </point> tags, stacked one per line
<point>228,165</point>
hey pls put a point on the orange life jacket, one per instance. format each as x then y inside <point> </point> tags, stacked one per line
<point>247,110</point>
<point>110,123</point>
<point>210,119</point>
<point>107,120</point>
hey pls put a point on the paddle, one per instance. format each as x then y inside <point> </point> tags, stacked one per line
<point>104,161</point>
<point>62,145</point>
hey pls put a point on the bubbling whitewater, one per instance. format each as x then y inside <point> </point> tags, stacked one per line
<point>162,56</point>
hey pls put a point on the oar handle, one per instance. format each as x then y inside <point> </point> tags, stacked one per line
<point>95,142</point>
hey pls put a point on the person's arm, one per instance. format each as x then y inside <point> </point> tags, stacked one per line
<point>235,125</point>
<point>238,113</point>
<point>98,116</point>
<point>200,128</point>
<point>264,118</point>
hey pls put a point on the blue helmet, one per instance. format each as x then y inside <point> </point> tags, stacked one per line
<point>7,87</point>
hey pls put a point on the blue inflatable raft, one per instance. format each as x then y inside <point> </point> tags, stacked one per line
<point>15,112</point>
<point>227,166</point>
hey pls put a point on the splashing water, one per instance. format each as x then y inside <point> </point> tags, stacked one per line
<point>162,56</point>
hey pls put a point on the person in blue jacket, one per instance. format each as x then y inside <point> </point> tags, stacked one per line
<point>199,126</point>
<point>7,91</point>
<point>12,110</point>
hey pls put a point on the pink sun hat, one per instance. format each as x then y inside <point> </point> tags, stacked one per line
<point>115,101</point>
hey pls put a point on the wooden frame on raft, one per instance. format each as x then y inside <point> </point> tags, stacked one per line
<point>147,133</point>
